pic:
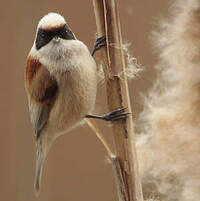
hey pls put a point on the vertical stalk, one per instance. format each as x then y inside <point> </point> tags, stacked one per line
<point>125,163</point>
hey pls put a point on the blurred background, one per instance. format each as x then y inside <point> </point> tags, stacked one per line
<point>76,167</point>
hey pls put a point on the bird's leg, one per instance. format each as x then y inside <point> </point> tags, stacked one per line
<point>100,42</point>
<point>111,116</point>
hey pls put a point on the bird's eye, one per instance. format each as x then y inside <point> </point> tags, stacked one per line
<point>67,33</point>
<point>42,38</point>
<point>43,34</point>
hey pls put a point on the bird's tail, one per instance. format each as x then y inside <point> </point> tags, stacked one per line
<point>40,159</point>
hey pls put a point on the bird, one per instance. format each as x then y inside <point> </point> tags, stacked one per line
<point>61,85</point>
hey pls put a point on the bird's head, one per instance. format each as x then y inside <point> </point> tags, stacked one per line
<point>52,28</point>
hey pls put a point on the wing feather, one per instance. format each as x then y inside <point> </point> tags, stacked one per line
<point>41,88</point>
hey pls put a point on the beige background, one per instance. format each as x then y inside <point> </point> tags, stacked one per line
<point>76,168</point>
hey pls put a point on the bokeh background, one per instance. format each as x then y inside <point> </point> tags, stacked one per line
<point>76,168</point>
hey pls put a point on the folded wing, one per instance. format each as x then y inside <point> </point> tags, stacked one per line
<point>41,89</point>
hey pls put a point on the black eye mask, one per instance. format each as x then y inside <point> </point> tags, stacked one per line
<point>45,36</point>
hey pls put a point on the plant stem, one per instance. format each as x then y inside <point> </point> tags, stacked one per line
<point>126,168</point>
<point>92,125</point>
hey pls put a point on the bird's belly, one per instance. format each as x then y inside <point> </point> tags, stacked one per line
<point>77,94</point>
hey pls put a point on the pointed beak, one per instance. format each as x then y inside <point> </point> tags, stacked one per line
<point>56,39</point>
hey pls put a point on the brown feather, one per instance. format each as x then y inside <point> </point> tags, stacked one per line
<point>53,28</point>
<point>42,89</point>
<point>41,85</point>
<point>32,66</point>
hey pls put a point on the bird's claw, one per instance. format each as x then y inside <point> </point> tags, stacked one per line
<point>100,42</point>
<point>112,116</point>
<point>116,115</point>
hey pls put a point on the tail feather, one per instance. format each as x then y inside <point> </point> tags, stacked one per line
<point>41,155</point>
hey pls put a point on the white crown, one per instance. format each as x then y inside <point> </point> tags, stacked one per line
<point>51,20</point>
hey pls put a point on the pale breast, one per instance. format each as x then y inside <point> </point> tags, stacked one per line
<point>71,63</point>
<point>77,94</point>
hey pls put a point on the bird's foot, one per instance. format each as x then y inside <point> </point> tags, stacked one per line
<point>111,116</point>
<point>100,42</point>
